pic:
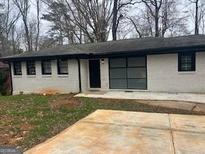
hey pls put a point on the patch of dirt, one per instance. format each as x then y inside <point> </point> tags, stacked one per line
<point>171,107</point>
<point>50,91</point>
<point>10,135</point>
<point>65,100</point>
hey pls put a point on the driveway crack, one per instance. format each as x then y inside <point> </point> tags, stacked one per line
<point>171,132</point>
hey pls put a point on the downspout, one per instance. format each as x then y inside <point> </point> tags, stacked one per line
<point>11,81</point>
<point>79,75</point>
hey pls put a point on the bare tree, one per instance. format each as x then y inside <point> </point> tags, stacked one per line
<point>96,15</point>
<point>8,19</point>
<point>199,12</point>
<point>90,19</point>
<point>196,3</point>
<point>154,7</point>
<point>139,32</point>
<point>47,42</point>
<point>117,6</point>
<point>161,13</point>
<point>202,26</point>
<point>62,26</point>
<point>142,24</point>
<point>16,35</point>
<point>23,7</point>
<point>38,24</point>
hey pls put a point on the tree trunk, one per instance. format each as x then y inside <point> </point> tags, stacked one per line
<point>197,18</point>
<point>28,39</point>
<point>156,22</point>
<point>38,24</point>
<point>114,20</point>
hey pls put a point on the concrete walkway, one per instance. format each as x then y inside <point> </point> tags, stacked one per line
<point>188,97</point>
<point>120,132</point>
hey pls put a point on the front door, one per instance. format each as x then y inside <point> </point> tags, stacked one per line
<point>94,69</point>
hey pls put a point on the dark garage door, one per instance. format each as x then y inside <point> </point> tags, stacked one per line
<point>128,73</point>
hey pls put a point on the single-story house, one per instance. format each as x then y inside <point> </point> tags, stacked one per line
<point>174,64</point>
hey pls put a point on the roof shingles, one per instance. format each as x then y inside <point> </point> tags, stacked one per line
<point>121,46</point>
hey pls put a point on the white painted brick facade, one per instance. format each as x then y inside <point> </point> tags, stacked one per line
<point>162,76</point>
<point>41,83</point>
<point>104,73</point>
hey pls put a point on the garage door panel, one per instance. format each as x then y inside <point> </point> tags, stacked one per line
<point>136,72</point>
<point>118,83</point>
<point>136,61</point>
<point>118,73</point>
<point>119,62</point>
<point>136,84</point>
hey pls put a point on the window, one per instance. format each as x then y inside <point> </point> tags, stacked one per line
<point>186,62</point>
<point>62,66</point>
<point>118,73</point>
<point>128,73</point>
<point>17,68</point>
<point>46,67</point>
<point>31,68</point>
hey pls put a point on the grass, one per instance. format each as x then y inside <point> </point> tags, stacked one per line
<point>27,120</point>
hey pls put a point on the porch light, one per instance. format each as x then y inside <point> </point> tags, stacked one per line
<point>102,61</point>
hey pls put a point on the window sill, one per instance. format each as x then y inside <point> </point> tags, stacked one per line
<point>187,72</point>
<point>17,76</point>
<point>62,75</point>
<point>46,76</point>
<point>31,76</point>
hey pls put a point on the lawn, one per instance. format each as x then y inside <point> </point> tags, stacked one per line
<point>27,120</point>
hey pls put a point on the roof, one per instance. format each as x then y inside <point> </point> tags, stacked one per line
<point>129,46</point>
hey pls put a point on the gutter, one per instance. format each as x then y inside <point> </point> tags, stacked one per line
<point>79,76</point>
<point>10,74</point>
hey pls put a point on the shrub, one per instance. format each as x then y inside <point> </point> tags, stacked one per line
<point>4,87</point>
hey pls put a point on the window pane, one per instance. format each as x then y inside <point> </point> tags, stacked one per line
<point>46,67</point>
<point>187,62</point>
<point>17,68</point>
<point>31,70</point>
<point>118,73</point>
<point>136,73</point>
<point>186,59</point>
<point>186,66</point>
<point>62,66</point>
<point>137,83</point>
<point>118,83</point>
<point>136,61</point>
<point>117,62</point>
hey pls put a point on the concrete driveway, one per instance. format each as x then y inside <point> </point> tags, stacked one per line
<point>187,97</point>
<point>121,132</point>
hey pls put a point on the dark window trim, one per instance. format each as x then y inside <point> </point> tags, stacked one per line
<point>58,66</point>
<point>42,67</point>
<point>27,68</point>
<point>193,62</point>
<point>145,56</point>
<point>15,72</point>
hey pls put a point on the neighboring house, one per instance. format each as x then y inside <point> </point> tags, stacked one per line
<point>149,64</point>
